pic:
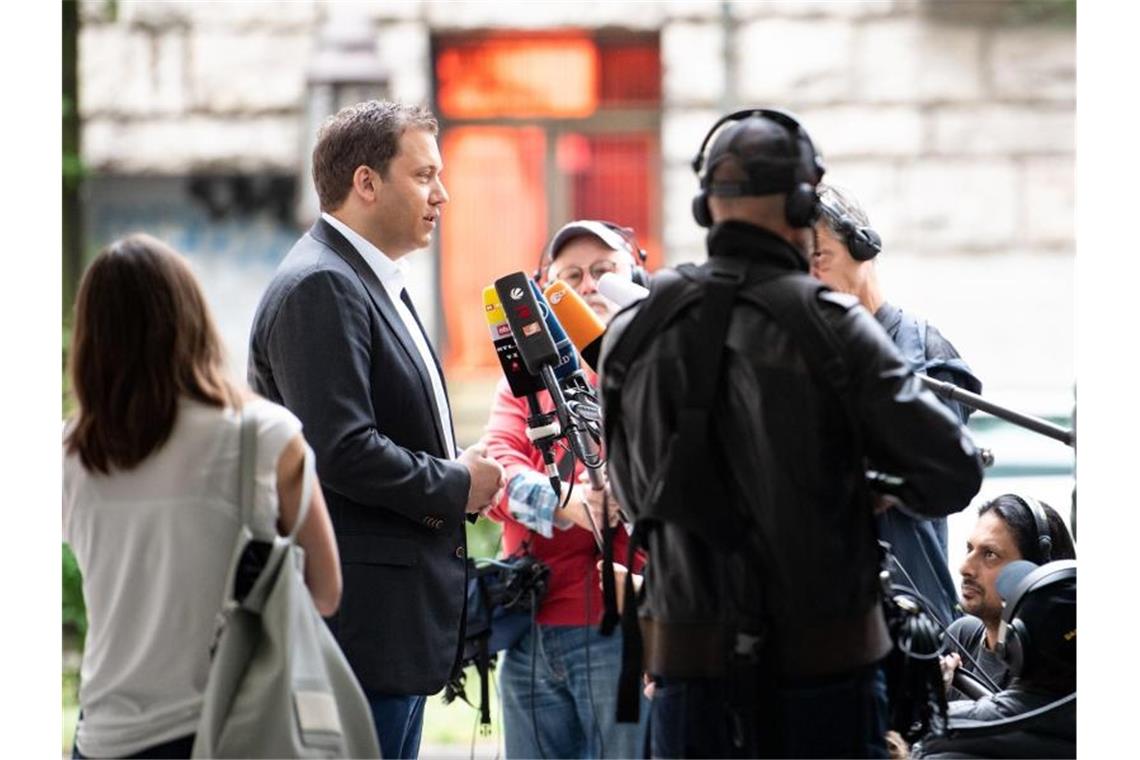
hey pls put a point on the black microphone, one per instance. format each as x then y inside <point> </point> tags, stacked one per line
<point>525,318</point>
<point>542,428</point>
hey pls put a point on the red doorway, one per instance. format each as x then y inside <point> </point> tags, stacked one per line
<point>538,129</point>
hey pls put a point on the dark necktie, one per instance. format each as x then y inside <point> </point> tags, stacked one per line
<point>407,299</point>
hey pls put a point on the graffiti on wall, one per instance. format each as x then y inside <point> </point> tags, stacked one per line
<point>234,229</point>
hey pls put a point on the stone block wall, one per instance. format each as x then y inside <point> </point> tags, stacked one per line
<point>953,125</point>
<point>952,115</point>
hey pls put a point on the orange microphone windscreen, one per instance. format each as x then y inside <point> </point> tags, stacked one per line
<point>582,325</point>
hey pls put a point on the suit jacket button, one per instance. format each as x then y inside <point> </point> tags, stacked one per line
<point>460,552</point>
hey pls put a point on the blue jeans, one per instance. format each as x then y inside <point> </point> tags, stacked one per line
<point>840,716</point>
<point>399,723</point>
<point>571,713</point>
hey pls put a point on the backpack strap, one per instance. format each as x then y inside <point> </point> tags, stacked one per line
<point>792,301</point>
<point>610,615</point>
<point>688,462</point>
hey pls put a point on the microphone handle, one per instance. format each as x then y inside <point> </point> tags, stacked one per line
<point>590,353</point>
<point>968,684</point>
<point>574,433</point>
<point>974,401</point>
<point>543,431</point>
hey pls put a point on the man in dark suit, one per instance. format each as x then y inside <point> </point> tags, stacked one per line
<point>336,339</point>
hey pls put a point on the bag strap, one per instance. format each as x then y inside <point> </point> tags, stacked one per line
<point>247,469</point>
<point>610,616</point>
<point>308,473</point>
<point>632,648</point>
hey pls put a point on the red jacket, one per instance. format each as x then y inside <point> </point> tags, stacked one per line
<point>571,554</point>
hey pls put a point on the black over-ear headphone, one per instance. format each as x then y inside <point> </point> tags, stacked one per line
<point>1044,537</point>
<point>638,274</point>
<point>801,204</point>
<point>862,242</point>
<point>1014,644</point>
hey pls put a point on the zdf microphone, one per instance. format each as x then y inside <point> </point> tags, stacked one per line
<point>581,323</point>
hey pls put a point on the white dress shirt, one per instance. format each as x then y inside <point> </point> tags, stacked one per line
<point>392,277</point>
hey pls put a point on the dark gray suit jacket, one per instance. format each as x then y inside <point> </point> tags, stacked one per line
<point>328,344</point>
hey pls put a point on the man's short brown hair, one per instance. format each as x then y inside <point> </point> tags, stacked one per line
<point>366,134</point>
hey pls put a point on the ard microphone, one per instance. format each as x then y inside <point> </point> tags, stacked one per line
<point>521,382</point>
<point>567,356</point>
<point>583,325</point>
<point>527,323</point>
<point>621,290</point>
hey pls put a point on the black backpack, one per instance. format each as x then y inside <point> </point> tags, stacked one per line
<point>690,472</point>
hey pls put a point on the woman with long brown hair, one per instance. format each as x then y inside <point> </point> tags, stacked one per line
<point>150,496</point>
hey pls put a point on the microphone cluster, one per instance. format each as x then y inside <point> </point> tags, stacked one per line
<point>537,338</point>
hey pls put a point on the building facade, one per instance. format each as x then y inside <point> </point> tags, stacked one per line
<point>952,121</point>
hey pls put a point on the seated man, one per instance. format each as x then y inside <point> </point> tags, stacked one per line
<point>1009,528</point>
<point>846,259</point>
<point>1035,716</point>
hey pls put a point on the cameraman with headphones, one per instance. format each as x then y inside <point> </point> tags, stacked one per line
<point>846,259</point>
<point>1009,528</point>
<point>558,682</point>
<point>742,398</point>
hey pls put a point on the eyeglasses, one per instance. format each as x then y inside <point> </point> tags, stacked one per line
<point>572,275</point>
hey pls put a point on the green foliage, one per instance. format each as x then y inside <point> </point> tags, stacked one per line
<point>74,610</point>
<point>483,538</point>
<point>68,400</point>
<point>986,13</point>
<point>1043,11</point>
<point>73,170</point>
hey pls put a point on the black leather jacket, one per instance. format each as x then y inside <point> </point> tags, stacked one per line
<point>808,579</point>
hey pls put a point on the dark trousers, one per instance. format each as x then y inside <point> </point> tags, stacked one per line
<point>838,716</point>
<point>399,723</point>
<point>175,748</point>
